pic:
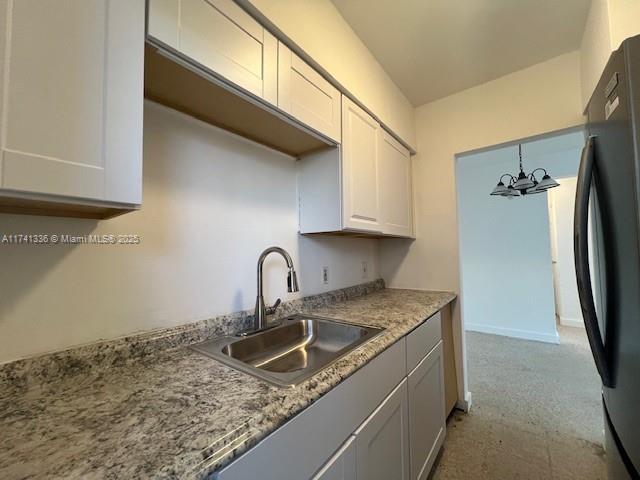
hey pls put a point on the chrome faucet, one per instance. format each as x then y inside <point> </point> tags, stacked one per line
<point>261,312</point>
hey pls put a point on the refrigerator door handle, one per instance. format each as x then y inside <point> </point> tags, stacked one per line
<point>581,252</point>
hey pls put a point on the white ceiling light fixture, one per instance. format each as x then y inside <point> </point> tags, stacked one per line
<point>524,184</point>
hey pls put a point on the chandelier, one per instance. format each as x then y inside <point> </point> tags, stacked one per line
<point>524,184</point>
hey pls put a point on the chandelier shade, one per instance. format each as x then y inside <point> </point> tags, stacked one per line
<point>534,189</point>
<point>500,189</point>
<point>511,192</point>
<point>524,184</point>
<point>546,183</point>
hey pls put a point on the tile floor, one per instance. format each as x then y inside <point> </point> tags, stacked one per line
<point>536,412</point>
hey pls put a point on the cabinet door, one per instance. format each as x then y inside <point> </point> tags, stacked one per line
<point>163,21</point>
<point>360,151</point>
<point>426,412</point>
<point>382,441</point>
<point>71,75</point>
<point>222,37</point>
<point>305,95</point>
<point>342,466</point>
<point>396,199</point>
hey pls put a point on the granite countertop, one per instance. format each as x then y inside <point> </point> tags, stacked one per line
<point>176,413</point>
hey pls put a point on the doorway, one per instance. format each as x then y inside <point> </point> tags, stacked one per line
<point>561,202</point>
<point>506,272</point>
<point>536,391</point>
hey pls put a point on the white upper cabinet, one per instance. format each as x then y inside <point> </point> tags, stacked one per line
<point>305,95</point>
<point>363,187</point>
<point>360,168</point>
<point>337,49</point>
<point>396,199</point>
<point>163,21</point>
<point>227,48</point>
<point>202,50</point>
<point>223,38</point>
<point>71,75</point>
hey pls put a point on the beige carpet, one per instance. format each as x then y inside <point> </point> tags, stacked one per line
<point>536,412</point>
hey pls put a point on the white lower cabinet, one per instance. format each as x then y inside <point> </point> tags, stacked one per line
<point>342,465</point>
<point>382,442</point>
<point>300,448</point>
<point>426,412</point>
<point>379,424</point>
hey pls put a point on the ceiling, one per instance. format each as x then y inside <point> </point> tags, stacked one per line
<point>433,48</point>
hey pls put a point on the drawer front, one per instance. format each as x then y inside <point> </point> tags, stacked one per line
<point>307,441</point>
<point>422,340</point>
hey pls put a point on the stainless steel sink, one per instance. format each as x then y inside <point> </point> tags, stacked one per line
<point>291,352</point>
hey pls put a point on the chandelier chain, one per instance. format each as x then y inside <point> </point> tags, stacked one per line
<point>520,155</point>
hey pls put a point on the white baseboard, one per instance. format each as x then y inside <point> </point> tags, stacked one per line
<point>464,405</point>
<point>512,332</point>
<point>571,322</point>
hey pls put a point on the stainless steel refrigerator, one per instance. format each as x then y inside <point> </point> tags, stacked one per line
<point>608,204</point>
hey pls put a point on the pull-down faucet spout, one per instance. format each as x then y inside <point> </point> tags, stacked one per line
<point>261,311</point>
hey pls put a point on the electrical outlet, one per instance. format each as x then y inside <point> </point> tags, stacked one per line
<point>325,275</point>
<point>365,270</point>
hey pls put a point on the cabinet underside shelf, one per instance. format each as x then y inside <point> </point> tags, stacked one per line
<point>51,208</point>
<point>352,234</point>
<point>178,87</point>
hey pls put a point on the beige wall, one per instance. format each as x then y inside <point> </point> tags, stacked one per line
<point>624,18</point>
<point>595,48</point>
<point>538,99</point>
<point>317,27</point>
<point>212,202</point>
<point>609,22</point>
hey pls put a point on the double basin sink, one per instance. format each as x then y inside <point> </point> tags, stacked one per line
<point>291,352</point>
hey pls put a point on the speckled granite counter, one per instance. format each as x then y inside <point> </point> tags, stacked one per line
<point>174,413</point>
